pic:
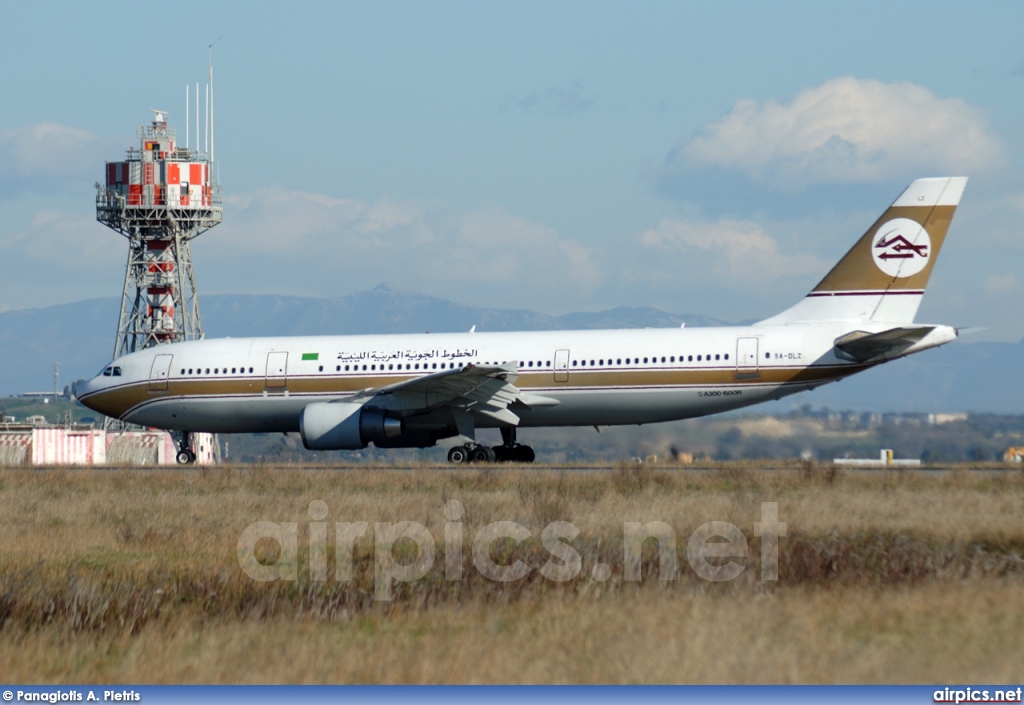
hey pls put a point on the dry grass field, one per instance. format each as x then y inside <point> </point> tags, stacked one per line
<point>134,576</point>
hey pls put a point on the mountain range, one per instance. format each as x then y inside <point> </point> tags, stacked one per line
<point>963,376</point>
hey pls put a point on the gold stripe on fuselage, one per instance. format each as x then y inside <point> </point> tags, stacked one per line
<point>119,401</point>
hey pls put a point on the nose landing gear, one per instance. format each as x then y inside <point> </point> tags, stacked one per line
<point>185,456</point>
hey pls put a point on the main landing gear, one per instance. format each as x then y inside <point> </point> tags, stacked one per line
<point>508,452</point>
<point>186,456</point>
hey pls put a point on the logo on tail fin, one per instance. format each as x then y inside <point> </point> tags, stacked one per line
<point>901,247</point>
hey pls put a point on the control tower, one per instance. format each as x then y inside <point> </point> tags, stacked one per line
<point>159,198</point>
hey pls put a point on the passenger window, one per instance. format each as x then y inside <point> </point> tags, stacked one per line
<point>727,356</point>
<point>183,372</point>
<point>698,358</point>
<point>645,360</point>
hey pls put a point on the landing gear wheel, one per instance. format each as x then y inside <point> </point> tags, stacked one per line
<point>511,452</point>
<point>481,454</point>
<point>458,454</point>
<point>523,454</point>
<point>185,455</point>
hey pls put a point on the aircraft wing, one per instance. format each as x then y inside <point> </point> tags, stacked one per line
<point>480,389</point>
<point>860,346</point>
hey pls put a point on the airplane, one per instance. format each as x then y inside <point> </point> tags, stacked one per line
<point>404,391</point>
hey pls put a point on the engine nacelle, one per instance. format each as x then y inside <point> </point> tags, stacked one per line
<point>342,426</point>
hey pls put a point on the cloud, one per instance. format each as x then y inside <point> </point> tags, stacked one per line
<point>732,248</point>
<point>499,246</point>
<point>60,256</point>
<point>305,242</point>
<point>47,157</point>
<point>293,242</point>
<point>64,242</point>
<point>845,131</point>
<point>567,100</point>
<point>1001,283</point>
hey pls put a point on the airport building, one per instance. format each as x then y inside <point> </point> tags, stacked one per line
<point>33,442</point>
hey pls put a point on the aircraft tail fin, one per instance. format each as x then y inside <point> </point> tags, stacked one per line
<point>883,277</point>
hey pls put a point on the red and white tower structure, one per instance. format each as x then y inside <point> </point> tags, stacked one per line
<point>160,197</point>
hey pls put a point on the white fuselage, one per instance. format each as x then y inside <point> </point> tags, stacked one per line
<point>605,377</point>
<point>342,393</point>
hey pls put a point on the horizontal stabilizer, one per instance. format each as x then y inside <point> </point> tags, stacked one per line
<point>860,346</point>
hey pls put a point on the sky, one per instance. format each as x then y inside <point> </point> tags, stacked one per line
<point>707,158</point>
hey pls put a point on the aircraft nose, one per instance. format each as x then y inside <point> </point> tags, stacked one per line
<point>86,388</point>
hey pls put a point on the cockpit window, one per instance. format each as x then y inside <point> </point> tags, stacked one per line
<point>117,371</point>
<point>107,372</point>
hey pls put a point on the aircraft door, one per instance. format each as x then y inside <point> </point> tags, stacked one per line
<point>159,372</point>
<point>277,369</point>
<point>746,357</point>
<point>561,365</point>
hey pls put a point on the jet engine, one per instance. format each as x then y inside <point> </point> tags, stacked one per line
<point>343,426</point>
